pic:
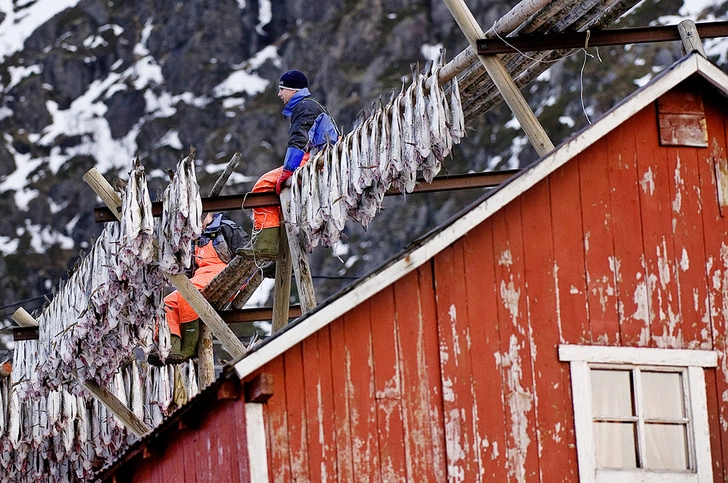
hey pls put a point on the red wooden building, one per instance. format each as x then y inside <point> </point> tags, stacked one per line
<point>571,326</point>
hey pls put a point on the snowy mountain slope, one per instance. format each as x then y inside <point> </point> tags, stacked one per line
<point>95,82</point>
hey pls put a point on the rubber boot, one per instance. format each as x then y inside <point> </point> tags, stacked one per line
<point>175,342</point>
<point>264,244</point>
<point>185,348</point>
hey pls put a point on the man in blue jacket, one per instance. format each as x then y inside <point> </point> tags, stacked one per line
<point>311,128</point>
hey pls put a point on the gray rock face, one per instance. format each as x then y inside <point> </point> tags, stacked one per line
<point>106,81</point>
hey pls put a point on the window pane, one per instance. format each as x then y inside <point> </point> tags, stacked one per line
<point>666,447</point>
<point>662,394</point>
<point>615,445</point>
<point>611,393</point>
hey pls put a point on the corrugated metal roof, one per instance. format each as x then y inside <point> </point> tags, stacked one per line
<point>169,423</point>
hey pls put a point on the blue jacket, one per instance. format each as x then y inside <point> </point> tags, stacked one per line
<point>303,110</point>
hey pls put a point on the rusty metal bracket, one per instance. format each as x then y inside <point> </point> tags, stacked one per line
<point>254,200</point>
<point>596,38</point>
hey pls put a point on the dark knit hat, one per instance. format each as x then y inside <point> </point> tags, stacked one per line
<point>293,79</point>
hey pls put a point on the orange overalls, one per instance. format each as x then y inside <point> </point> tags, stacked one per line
<point>177,310</point>
<point>269,216</point>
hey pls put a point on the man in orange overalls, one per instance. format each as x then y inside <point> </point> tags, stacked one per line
<point>305,113</point>
<point>212,254</point>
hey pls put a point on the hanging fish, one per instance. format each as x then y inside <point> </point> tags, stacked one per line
<point>409,143</point>
<point>421,120</point>
<point>457,130</point>
<point>385,158</point>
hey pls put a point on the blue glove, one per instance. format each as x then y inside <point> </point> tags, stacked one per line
<point>293,159</point>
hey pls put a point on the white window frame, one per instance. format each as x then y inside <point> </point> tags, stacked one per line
<point>582,358</point>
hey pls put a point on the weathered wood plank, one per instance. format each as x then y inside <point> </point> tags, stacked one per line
<point>276,425</point>
<point>242,463</point>
<point>516,345</point>
<point>656,207</point>
<point>416,390</point>
<point>362,405</point>
<point>459,407</point>
<point>482,312</point>
<point>242,297</point>
<point>626,223</point>
<point>715,225</point>
<point>189,461</point>
<point>569,264</point>
<point>299,258</point>
<point>313,409</point>
<point>425,274</point>
<point>690,38</point>
<point>339,380</point>
<point>226,283</point>
<point>282,288</point>
<point>598,252</point>
<point>329,467</point>
<point>555,457</point>
<point>689,272</point>
<point>387,386</point>
<point>298,444</point>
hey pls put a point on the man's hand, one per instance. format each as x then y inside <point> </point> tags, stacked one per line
<point>282,179</point>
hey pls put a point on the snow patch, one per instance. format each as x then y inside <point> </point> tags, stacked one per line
<point>8,245</point>
<point>567,121</point>
<point>643,80</point>
<point>19,24</point>
<point>42,237</point>
<point>265,15</point>
<point>17,74</point>
<point>171,139</point>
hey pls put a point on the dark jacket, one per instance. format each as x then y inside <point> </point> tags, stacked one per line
<point>303,110</point>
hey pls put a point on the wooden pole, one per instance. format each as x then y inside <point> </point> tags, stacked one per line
<point>105,397</point>
<point>503,81</point>
<point>690,38</point>
<point>104,190</point>
<point>208,314</point>
<point>299,259</point>
<point>205,357</point>
<point>193,296</point>
<point>282,290</point>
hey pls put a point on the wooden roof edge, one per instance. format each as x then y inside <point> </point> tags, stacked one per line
<point>432,244</point>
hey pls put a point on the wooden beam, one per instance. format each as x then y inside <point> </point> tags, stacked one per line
<point>690,37</point>
<point>282,288</point>
<point>259,389</point>
<point>503,81</point>
<point>105,397</point>
<point>299,259</point>
<point>190,293</point>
